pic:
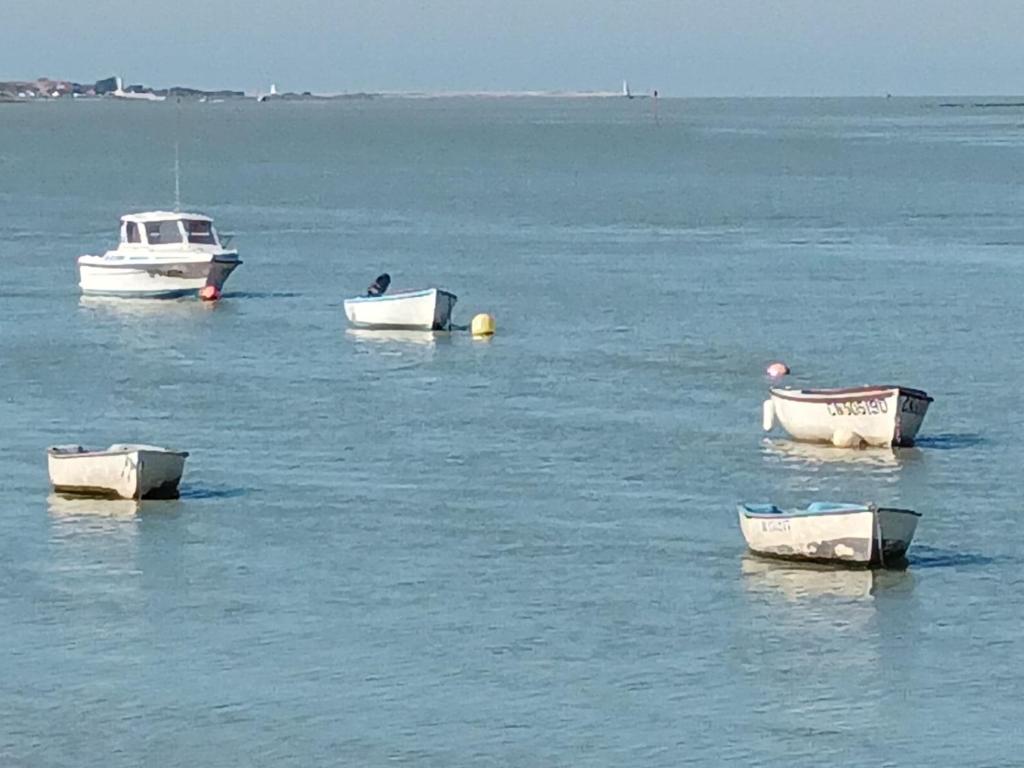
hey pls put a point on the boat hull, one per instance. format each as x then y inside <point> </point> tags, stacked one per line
<point>856,536</point>
<point>429,310</point>
<point>849,418</point>
<point>165,277</point>
<point>122,471</point>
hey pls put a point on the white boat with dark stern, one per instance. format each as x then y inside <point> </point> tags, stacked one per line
<point>122,471</point>
<point>850,417</point>
<point>160,255</point>
<point>829,532</point>
<point>426,310</point>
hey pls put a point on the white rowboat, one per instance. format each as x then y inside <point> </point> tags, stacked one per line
<point>427,310</point>
<point>122,471</point>
<point>857,534</point>
<point>850,417</point>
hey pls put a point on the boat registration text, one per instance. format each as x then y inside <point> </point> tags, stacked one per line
<point>858,407</point>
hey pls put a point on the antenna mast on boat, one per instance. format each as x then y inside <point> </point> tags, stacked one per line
<point>177,164</point>
<point>177,180</point>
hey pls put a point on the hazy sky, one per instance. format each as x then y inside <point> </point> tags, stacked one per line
<point>681,47</point>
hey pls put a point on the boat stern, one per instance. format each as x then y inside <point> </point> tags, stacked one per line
<point>160,473</point>
<point>911,409</point>
<point>221,268</point>
<point>895,530</point>
<point>444,303</point>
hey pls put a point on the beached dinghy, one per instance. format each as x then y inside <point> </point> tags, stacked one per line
<point>849,418</point>
<point>857,534</point>
<point>426,310</point>
<point>121,471</point>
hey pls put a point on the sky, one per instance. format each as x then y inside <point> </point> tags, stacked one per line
<point>680,47</point>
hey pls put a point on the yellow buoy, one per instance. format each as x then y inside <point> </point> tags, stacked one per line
<point>483,325</point>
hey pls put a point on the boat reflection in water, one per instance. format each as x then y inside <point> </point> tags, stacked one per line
<point>72,508</point>
<point>797,582</point>
<point>397,338</point>
<point>817,453</point>
<point>140,308</point>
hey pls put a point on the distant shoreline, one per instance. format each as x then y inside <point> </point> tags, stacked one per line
<point>112,89</point>
<point>46,89</point>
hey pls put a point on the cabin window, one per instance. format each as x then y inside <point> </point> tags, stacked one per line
<point>161,232</point>
<point>200,232</point>
<point>131,233</point>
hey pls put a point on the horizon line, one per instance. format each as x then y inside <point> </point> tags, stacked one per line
<point>541,92</point>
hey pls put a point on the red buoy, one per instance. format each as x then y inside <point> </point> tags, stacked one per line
<point>209,293</point>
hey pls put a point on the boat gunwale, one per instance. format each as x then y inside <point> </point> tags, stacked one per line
<point>781,513</point>
<point>54,453</point>
<point>803,513</point>
<point>416,294</point>
<point>899,510</point>
<point>106,261</point>
<point>846,394</point>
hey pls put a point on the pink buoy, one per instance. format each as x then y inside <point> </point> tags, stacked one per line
<point>778,370</point>
<point>209,293</point>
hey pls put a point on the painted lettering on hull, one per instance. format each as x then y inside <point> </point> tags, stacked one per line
<point>870,407</point>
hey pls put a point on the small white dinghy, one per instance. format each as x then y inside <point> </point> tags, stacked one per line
<point>828,532</point>
<point>122,471</point>
<point>850,417</point>
<point>426,310</point>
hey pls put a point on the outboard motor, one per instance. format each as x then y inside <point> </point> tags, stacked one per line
<point>379,286</point>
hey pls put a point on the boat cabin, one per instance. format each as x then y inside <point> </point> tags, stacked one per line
<point>162,228</point>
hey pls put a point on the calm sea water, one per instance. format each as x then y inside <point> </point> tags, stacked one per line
<point>435,551</point>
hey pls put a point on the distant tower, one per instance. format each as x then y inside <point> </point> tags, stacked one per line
<point>273,89</point>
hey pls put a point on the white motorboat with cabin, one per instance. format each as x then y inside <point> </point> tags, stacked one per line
<point>426,310</point>
<point>125,471</point>
<point>160,255</point>
<point>855,534</point>
<point>849,417</point>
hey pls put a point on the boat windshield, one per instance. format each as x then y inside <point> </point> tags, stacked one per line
<point>161,232</point>
<point>200,232</point>
<point>131,232</point>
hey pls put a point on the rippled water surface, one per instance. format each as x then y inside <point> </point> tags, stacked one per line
<point>427,550</point>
